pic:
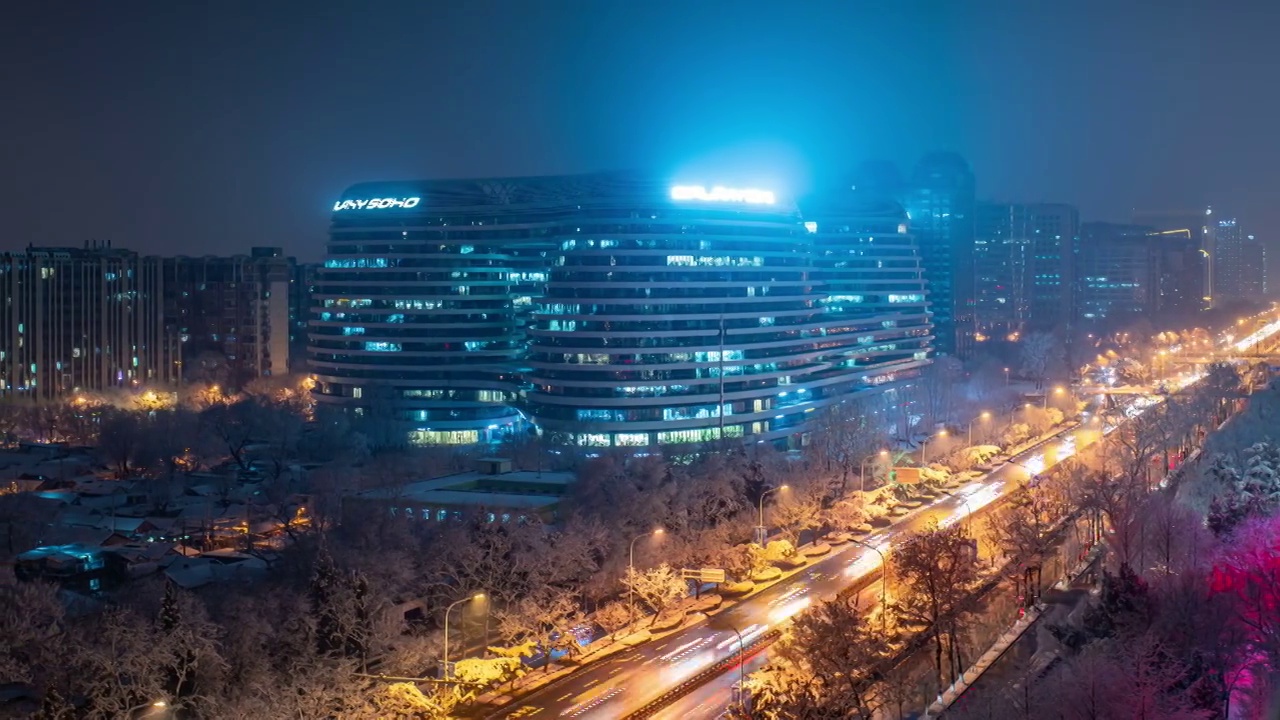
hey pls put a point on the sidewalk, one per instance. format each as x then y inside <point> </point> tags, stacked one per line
<point>971,675</point>
<point>975,671</point>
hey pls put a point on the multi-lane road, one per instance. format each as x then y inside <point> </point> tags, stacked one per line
<point>627,681</point>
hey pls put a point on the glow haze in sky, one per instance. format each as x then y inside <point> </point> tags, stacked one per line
<point>193,128</point>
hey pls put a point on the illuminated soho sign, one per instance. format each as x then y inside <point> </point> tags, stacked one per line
<point>377,204</point>
<point>722,194</point>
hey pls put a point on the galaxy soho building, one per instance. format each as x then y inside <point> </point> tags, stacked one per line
<point>610,310</point>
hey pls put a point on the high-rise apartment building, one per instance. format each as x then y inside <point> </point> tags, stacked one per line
<point>1023,266</point>
<point>939,199</point>
<point>231,314</point>
<point>82,319</point>
<point>608,309</point>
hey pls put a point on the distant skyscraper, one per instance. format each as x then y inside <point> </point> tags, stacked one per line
<point>1188,279</point>
<point>1239,269</point>
<point>86,319</point>
<point>1023,266</point>
<point>939,199</point>
<point>1117,272</point>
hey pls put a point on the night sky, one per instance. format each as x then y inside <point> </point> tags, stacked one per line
<point>186,127</point>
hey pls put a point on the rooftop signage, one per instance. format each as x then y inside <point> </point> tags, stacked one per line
<point>722,194</point>
<point>377,204</point>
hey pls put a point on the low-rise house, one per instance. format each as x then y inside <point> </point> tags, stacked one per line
<point>494,492</point>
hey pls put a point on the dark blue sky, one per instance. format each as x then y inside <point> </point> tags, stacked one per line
<point>209,127</point>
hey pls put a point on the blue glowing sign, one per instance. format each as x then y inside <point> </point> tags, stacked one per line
<point>377,204</point>
<point>722,194</point>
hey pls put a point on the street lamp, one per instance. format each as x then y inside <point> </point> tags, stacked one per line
<point>984,416</point>
<point>1006,377</point>
<point>742,670</point>
<point>477,596</point>
<point>631,571</point>
<point>1056,391</point>
<point>884,585</point>
<point>862,473</point>
<point>763,495</point>
<point>924,449</point>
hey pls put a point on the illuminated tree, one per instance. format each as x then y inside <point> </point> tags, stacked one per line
<point>935,571</point>
<point>821,668</point>
<point>658,587</point>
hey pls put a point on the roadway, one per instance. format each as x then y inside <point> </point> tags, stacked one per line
<point>627,681</point>
<point>623,683</point>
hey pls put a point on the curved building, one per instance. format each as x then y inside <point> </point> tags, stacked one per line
<point>613,310</point>
<point>418,312</point>
<point>876,324</point>
<point>674,316</point>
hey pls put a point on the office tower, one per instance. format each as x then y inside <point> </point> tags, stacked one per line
<point>610,310</point>
<point>1188,256</point>
<point>419,312</point>
<point>1240,262</point>
<point>1023,267</point>
<point>939,200</point>
<point>231,314</point>
<point>875,317</point>
<point>1116,272</point>
<point>82,319</point>
<point>1178,262</point>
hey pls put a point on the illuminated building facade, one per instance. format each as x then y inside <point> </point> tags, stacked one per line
<point>1023,266</point>
<point>611,310</point>
<point>82,319</point>
<point>876,329</point>
<point>1116,272</point>
<point>1240,265</point>
<point>939,199</point>
<point>419,312</point>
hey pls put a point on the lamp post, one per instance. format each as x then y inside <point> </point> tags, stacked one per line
<point>742,669</point>
<point>631,570</point>
<point>1006,377</point>
<point>763,495</point>
<point>1056,391</point>
<point>984,416</point>
<point>477,596</point>
<point>884,585</point>
<point>924,449</point>
<point>862,472</point>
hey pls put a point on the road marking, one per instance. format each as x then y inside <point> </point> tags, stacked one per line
<point>562,698</point>
<point>617,670</point>
<point>593,682</point>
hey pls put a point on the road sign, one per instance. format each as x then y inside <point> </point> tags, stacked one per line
<point>906,475</point>
<point>706,575</point>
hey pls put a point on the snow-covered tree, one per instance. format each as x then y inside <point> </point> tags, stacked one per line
<point>1041,354</point>
<point>821,668</point>
<point>547,618</point>
<point>658,587</point>
<point>935,571</point>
